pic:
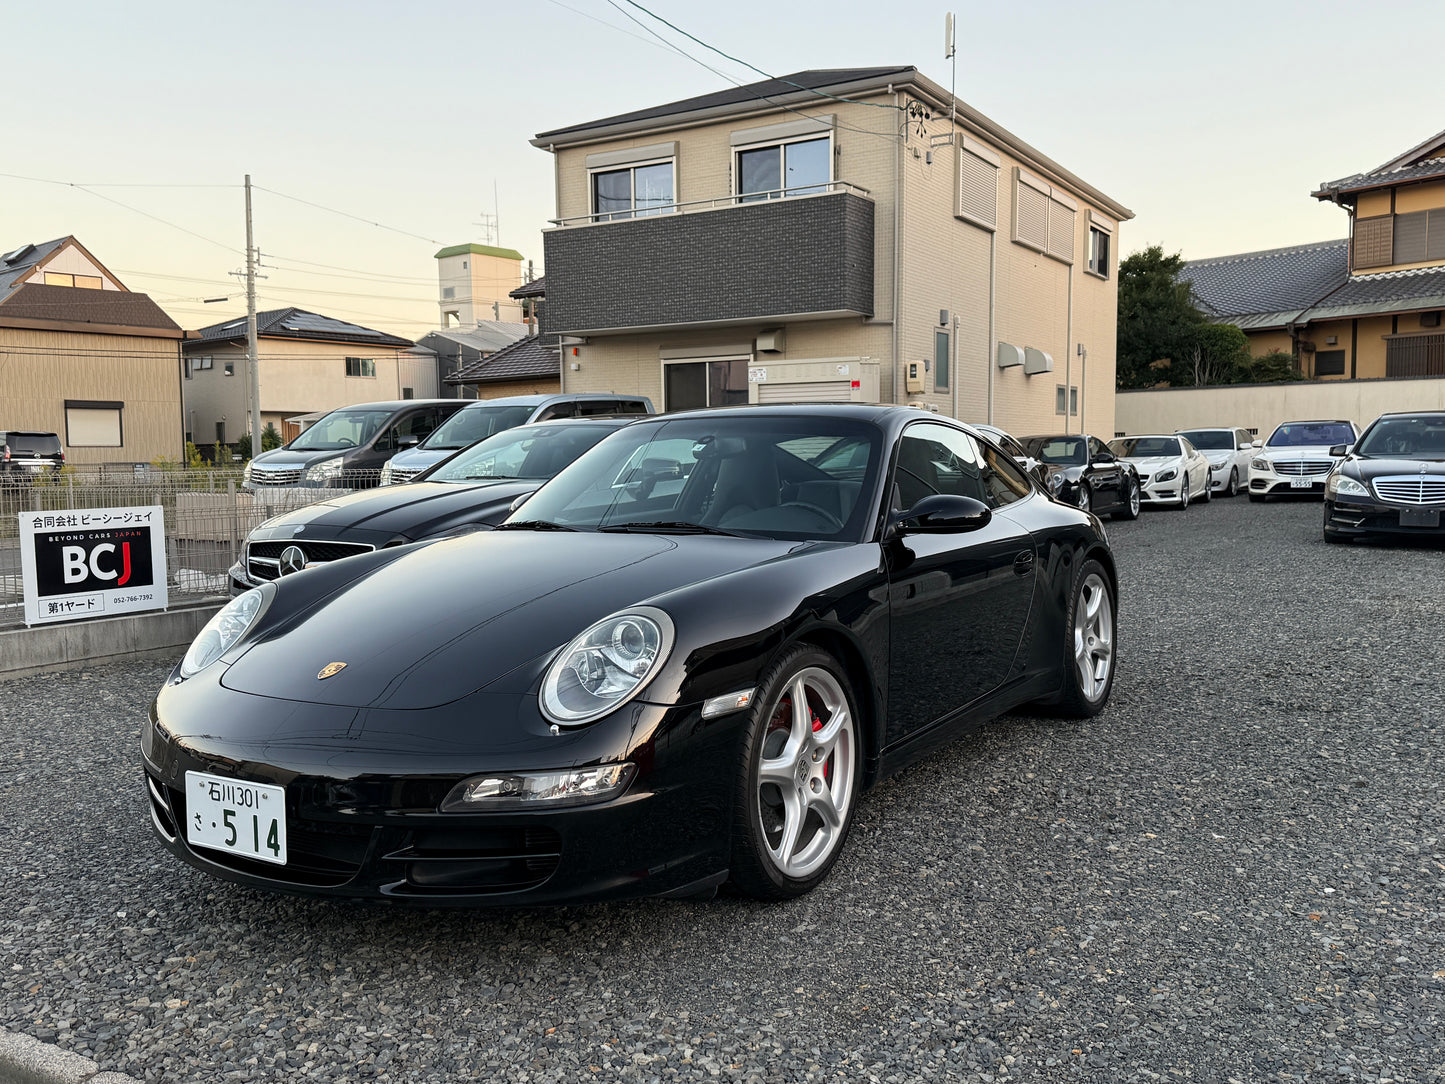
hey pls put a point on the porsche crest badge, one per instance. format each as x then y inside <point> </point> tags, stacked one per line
<point>331,669</point>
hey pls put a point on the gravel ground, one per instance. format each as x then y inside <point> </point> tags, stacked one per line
<point>1233,874</point>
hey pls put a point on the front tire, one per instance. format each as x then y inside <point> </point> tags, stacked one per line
<point>1231,488</point>
<point>1184,493</point>
<point>1086,499</point>
<point>1131,500</point>
<point>800,775</point>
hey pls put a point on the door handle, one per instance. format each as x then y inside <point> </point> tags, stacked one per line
<point>1024,563</point>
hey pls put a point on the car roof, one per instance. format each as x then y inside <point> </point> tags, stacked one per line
<point>395,404</point>
<point>552,397</point>
<point>1317,421</point>
<point>1209,429</point>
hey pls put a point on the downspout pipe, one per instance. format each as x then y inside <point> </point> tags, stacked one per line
<point>992,360</point>
<point>897,250</point>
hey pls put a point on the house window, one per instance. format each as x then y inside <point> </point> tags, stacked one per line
<point>448,292</point>
<point>1330,363</point>
<point>230,368</point>
<point>1098,252</point>
<point>93,425</point>
<point>1420,236</point>
<point>360,367</point>
<point>633,191</point>
<point>407,393</point>
<point>940,360</point>
<point>205,363</point>
<point>691,385</point>
<point>1043,217</point>
<point>1061,396</point>
<point>800,167</point>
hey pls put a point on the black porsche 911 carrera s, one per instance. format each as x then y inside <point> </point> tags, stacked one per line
<point>678,664</point>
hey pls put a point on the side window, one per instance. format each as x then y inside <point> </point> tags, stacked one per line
<point>936,458</point>
<point>416,424</point>
<point>1003,480</point>
<point>596,406</point>
<point>557,410</point>
<point>1097,450</point>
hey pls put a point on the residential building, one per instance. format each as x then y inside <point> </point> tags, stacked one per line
<point>309,363</point>
<point>456,348</point>
<point>84,357</point>
<point>1366,306</point>
<point>475,283</point>
<point>839,234</point>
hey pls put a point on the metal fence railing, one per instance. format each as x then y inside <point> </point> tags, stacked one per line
<point>208,514</point>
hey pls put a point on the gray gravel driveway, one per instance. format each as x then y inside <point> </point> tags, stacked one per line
<point>1233,874</point>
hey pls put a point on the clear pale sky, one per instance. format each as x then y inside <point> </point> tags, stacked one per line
<point>1213,122</point>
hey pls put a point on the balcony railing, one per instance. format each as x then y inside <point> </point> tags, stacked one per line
<point>798,192</point>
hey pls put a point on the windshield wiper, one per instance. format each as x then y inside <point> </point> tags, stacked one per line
<point>670,526</point>
<point>535,525</point>
<point>491,477</point>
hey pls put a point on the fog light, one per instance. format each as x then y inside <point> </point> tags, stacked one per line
<point>512,790</point>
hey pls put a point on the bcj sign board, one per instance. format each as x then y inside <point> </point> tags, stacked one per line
<point>97,562</point>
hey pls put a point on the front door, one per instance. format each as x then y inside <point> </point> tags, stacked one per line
<point>958,603</point>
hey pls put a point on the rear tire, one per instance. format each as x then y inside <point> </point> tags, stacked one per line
<point>1208,490</point>
<point>1090,632</point>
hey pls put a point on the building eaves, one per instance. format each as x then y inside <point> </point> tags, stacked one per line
<point>1390,292</point>
<point>529,358</point>
<point>772,95</point>
<point>23,258</point>
<point>536,288</point>
<point>480,250</point>
<point>78,306</point>
<point>1363,182</point>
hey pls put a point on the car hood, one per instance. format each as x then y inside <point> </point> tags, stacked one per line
<point>1373,467</point>
<point>1301,451</point>
<point>405,512</point>
<point>1148,464</point>
<point>420,458</point>
<point>441,621</point>
<point>282,458</point>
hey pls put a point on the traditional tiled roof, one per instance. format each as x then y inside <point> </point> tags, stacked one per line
<point>536,288</point>
<point>1421,162</point>
<point>530,358</point>
<point>1392,291</point>
<point>76,305</point>
<point>1256,290</point>
<point>781,87</point>
<point>22,259</point>
<point>296,323</point>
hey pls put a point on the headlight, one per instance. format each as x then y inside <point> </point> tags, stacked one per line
<point>325,471</point>
<point>510,790</point>
<point>1338,484</point>
<point>1260,463</point>
<point>225,630</point>
<point>1056,482</point>
<point>1165,475</point>
<point>605,667</point>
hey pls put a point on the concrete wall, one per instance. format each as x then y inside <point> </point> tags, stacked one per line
<point>40,370</point>
<point>1263,406</point>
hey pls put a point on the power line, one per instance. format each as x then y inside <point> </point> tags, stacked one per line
<point>347,214</point>
<point>604,22</point>
<point>754,67</point>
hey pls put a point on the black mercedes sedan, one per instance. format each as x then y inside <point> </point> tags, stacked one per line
<point>1392,482</point>
<point>471,490</point>
<point>679,663</point>
<point>1082,471</point>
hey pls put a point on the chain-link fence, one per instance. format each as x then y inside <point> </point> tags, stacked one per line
<point>208,514</point>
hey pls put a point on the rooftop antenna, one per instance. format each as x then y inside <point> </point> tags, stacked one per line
<point>950,53</point>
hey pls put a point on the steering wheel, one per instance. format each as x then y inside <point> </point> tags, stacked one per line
<point>832,521</point>
<point>345,442</point>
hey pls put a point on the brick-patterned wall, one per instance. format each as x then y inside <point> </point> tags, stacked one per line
<point>810,254</point>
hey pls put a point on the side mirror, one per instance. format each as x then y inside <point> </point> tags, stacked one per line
<point>1247,447</point>
<point>944,513</point>
<point>1341,449</point>
<point>411,440</point>
<point>1256,444</point>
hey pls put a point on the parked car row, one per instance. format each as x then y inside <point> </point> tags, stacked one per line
<point>678,663</point>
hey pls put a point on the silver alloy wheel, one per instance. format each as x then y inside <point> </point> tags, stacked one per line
<point>1093,637</point>
<point>805,775</point>
<point>1084,499</point>
<point>1233,488</point>
<point>1133,498</point>
<point>1184,493</point>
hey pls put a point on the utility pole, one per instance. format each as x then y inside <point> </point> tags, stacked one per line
<point>252,362</point>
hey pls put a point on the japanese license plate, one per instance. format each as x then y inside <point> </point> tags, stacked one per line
<point>1301,483</point>
<point>1419,517</point>
<point>235,816</point>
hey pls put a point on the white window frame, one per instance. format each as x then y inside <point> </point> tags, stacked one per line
<point>1105,227</point>
<point>619,216</point>
<point>781,193</point>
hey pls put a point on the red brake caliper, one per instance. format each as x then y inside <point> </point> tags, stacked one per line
<point>817,726</point>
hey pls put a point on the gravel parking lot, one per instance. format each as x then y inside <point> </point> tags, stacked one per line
<point>1233,874</point>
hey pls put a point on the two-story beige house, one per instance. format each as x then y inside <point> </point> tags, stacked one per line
<point>1363,307</point>
<point>309,364</point>
<point>842,234</point>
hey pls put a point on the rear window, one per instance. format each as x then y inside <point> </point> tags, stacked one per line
<point>33,443</point>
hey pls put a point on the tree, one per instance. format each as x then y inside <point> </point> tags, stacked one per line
<point>1157,316</point>
<point>270,438</point>
<point>1276,366</point>
<point>243,446</point>
<point>1216,354</point>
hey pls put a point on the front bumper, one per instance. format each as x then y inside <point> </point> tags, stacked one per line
<point>1353,517</point>
<point>1271,484</point>
<point>1154,492</point>
<point>361,812</point>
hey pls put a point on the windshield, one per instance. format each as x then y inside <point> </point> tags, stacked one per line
<point>767,476</point>
<point>1302,434</point>
<point>1419,437</point>
<point>1144,447</point>
<point>530,451</point>
<point>471,424</point>
<point>341,429</point>
<point>1210,440</point>
<point>1069,451</point>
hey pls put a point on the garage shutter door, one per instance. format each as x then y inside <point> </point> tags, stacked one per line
<point>827,391</point>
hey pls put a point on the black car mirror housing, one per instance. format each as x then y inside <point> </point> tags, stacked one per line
<point>944,513</point>
<point>1341,449</point>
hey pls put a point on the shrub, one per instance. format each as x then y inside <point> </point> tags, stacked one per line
<point>270,438</point>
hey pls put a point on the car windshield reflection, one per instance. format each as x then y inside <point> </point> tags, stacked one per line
<point>1405,438</point>
<point>775,477</point>
<point>1306,434</point>
<point>531,451</point>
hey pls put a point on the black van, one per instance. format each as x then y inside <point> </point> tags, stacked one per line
<point>347,448</point>
<point>29,453</point>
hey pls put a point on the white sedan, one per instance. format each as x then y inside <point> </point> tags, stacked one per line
<point>1229,450</point>
<point>1298,457</point>
<point>1171,470</point>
